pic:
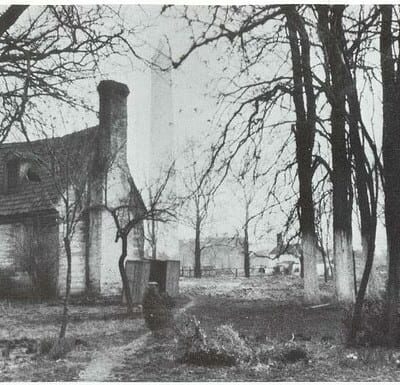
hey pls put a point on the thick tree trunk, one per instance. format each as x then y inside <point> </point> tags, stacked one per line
<point>342,249</point>
<point>310,269</point>
<point>330,28</point>
<point>65,316</point>
<point>304,133</point>
<point>122,271</point>
<point>197,251</point>
<point>391,163</point>
<point>374,284</point>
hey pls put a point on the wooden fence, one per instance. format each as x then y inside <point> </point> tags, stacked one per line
<point>214,272</point>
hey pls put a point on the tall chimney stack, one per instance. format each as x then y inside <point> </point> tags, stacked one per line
<point>113,119</point>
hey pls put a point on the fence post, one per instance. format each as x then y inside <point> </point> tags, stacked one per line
<point>236,273</point>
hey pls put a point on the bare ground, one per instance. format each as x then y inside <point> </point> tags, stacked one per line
<point>264,310</point>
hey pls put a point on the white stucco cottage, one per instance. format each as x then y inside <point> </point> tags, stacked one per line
<point>32,257</point>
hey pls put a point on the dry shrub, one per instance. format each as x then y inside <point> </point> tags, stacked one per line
<point>223,347</point>
<point>45,345</point>
<point>56,348</point>
<point>265,353</point>
<point>292,353</point>
<point>274,353</point>
<point>373,325</point>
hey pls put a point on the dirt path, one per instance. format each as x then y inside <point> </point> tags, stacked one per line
<point>104,361</point>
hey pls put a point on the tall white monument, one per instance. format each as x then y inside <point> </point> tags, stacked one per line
<point>162,148</point>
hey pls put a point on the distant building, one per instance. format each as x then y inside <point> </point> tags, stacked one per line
<point>281,253</point>
<point>218,252</point>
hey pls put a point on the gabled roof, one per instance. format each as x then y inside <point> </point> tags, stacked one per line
<point>57,159</point>
<point>286,249</point>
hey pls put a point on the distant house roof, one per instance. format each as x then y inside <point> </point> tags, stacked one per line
<point>56,159</point>
<point>286,249</point>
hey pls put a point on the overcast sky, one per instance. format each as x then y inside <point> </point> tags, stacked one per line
<point>193,98</point>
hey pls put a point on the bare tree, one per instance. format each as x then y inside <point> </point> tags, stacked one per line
<point>391,158</point>
<point>65,165</point>
<point>245,28</point>
<point>330,29</point>
<point>199,190</point>
<point>44,52</point>
<point>165,199</point>
<point>130,215</point>
<point>304,129</point>
<point>248,189</point>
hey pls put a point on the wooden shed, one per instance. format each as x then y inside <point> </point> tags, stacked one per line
<point>166,274</point>
<point>138,273</point>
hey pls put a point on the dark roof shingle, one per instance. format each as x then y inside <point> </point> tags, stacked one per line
<point>57,160</point>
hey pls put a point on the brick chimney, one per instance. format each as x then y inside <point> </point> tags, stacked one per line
<point>113,120</point>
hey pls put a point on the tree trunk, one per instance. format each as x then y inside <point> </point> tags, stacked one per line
<point>329,263</point>
<point>301,265</point>
<point>325,264</point>
<point>246,252</point>
<point>330,28</point>
<point>125,282</point>
<point>197,251</point>
<point>64,320</point>
<point>304,134</point>
<point>153,239</point>
<point>391,163</point>
<point>366,187</point>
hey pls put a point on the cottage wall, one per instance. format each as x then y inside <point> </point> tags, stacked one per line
<point>21,259</point>
<point>110,251</point>
<point>7,256</point>
<point>110,281</point>
<point>94,250</point>
<point>78,267</point>
<point>14,280</point>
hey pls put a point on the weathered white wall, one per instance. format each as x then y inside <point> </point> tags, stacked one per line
<point>78,252</point>
<point>110,282</point>
<point>110,279</point>
<point>94,250</point>
<point>7,231</point>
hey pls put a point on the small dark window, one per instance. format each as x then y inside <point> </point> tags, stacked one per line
<point>32,175</point>
<point>12,174</point>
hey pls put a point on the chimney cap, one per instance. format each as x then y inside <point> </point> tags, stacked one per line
<point>111,86</point>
